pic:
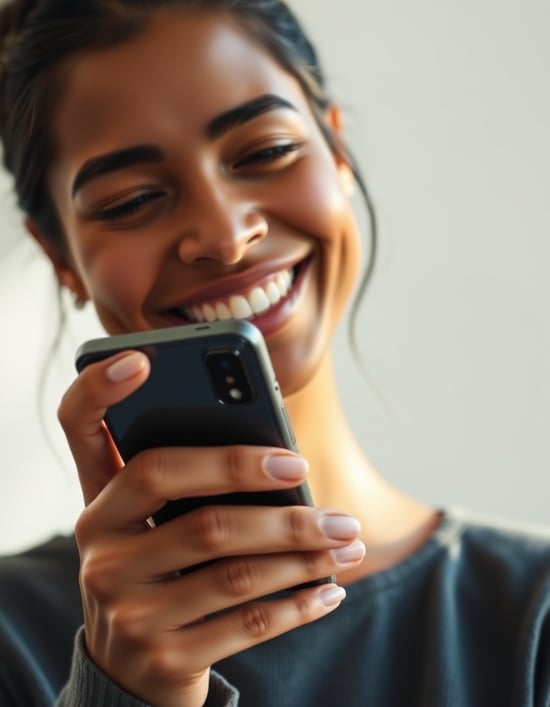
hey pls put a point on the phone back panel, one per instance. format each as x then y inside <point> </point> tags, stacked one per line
<point>179,406</point>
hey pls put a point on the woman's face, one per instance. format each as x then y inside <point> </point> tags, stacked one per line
<point>193,182</point>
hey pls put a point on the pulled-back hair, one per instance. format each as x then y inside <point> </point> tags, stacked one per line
<point>39,37</point>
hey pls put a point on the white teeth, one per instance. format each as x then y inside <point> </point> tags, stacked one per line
<point>197,314</point>
<point>258,300</point>
<point>209,313</point>
<point>240,308</point>
<point>273,293</point>
<point>222,311</point>
<point>283,281</point>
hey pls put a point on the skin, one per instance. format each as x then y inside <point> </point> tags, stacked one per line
<point>221,218</point>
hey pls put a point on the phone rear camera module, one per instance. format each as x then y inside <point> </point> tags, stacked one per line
<point>228,377</point>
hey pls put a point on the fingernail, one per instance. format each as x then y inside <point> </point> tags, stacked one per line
<point>339,526</point>
<point>349,553</point>
<point>126,367</point>
<point>332,596</point>
<point>285,468</point>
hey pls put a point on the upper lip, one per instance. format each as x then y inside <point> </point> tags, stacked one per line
<point>234,283</point>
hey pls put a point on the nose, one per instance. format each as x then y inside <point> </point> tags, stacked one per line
<point>220,226</point>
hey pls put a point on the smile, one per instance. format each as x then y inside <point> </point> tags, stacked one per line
<point>243,305</point>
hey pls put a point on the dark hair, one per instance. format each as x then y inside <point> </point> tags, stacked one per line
<point>40,35</point>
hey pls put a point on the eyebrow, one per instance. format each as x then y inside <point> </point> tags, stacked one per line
<point>245,112</point>
<point>113,161</point>
<point>150,154</point>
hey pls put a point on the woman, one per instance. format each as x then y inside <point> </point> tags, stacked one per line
<point>184,155</point>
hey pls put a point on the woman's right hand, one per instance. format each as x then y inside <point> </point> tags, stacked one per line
<point>145,625</point>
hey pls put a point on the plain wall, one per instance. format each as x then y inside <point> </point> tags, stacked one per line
<point>447,106</point>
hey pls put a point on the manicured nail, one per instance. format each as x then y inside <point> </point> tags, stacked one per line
<point>126,367</point>
<point>285,468</point>
<point>339,526</point>
<point>349,553</point>
<point>332,596</point>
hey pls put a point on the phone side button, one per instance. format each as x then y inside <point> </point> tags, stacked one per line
<point>288,425</point>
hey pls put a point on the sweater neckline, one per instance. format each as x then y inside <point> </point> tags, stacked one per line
<point>444,536</point>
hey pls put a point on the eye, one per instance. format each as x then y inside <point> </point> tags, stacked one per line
<point>130,207</point>
<point>267,154</point>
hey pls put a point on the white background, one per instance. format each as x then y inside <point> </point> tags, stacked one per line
<point>447,105</point>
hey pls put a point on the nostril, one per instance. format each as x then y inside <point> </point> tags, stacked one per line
<point>225,238</point>
<point>255,238</point>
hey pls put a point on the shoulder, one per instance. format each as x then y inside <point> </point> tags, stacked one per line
<point>495,575</point>
<point>40,612</point>
<point>514,549</point>
<point>498,573</point>
<point>55,562</point>
<point>40,581</point>
<point>472,566</point>
<point>481,587</point>
<point>493,553</point>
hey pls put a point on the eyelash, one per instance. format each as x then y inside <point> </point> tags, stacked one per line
<point>269,154</point>
<point>128,208</point>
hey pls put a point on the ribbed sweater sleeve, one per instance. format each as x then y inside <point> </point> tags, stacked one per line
<point>89,687</point>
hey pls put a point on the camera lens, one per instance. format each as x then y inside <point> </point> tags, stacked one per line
<point>227,373</point>
<point>226,363</point>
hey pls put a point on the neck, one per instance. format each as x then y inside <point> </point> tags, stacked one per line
<point>325,439</point>
<point>341,478</point>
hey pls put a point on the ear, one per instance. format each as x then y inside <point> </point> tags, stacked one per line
<point>66,273</point>
<point>334,121</point>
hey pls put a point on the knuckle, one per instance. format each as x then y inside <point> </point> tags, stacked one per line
<point>87,388</point>
<point>255,620</point>
<point>96,576</point>
<point>84,527</point>
<point>127,622</point>
<point>165,664</point>
<point>297,524</point>
<point>148,473</point>
<point>303,606</point>
<point>63,415</point>
<point>238,577</point>
<point>313,563</point>
<point>65,409</point>
<point>234,464</point>
<point>100,565</point>
<point>212,527</point>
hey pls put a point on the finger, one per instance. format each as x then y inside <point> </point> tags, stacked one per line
<point>163,608</point>
<point>145,558</point>
<point>82,410</point>
<point>156,476</point>
<point>234,581</point>
<point>167,658</point>
<point>223,531</point>
<point>208,642</point>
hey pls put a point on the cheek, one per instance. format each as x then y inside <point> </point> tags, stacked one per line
<point>118,275</point>
<point>320,207</point>
<point>314,199</point>
<point>329,217</point>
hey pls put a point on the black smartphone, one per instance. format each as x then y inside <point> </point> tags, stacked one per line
<point>210,384</point>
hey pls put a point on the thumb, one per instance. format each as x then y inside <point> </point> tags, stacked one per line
<point>83,408</point>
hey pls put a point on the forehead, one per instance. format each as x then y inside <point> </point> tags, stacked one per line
<point>178,73</point>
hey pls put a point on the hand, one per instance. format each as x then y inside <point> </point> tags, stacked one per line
<point>148,627</point>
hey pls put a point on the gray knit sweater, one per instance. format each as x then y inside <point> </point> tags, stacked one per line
<point>463,622</point>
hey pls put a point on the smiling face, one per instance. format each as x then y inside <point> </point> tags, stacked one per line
<point>192,183</point>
